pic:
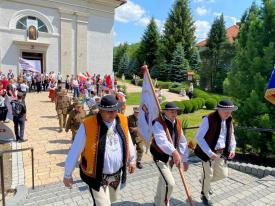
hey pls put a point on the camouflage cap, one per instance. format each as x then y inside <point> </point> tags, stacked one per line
<point>136,109</point>
<point>77,103</point>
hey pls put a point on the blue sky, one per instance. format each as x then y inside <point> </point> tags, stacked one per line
<point>131,19</point>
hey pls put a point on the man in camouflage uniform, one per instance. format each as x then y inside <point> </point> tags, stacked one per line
<point>138,140</point>
<point>62,104</point>
<point>76,117</point>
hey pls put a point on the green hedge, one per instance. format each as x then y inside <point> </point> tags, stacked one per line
<point>175,90</point>
<point>210,103</point>
<point>164,85</point>
<point>140,82</point>
<point>188,106</point>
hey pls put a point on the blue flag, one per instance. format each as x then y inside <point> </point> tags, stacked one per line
<point>270,92</point>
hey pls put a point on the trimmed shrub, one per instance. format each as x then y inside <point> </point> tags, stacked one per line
<point>210,103</point>
<point>175,85</point>
<point>200,94</point>
<point>181,106</point>
<point>175,90</point>
<point>164,85</point>
<point>195,104</point>
<point>201,102</point>
<point>188,106</point>
<point>140,82</point>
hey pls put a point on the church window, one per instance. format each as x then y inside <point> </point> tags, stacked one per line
<point>27,21</point>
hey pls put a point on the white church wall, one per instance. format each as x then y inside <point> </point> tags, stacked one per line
<point>100,44</point>
<point>10,52</point>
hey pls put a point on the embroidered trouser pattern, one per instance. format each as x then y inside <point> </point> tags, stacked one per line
<point>108,192</point>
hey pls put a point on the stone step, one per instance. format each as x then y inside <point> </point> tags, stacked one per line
<point>239,189</point>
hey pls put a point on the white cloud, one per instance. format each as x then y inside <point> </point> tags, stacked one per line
<point>229,20</point>
<point>143,21</point>
<point>201,11</point>
<point>205,1</point>
<point>202,29</point>
<point>117,43</point>
<point>232,18</point>
<point>129,12</point>
<point>217,13</point>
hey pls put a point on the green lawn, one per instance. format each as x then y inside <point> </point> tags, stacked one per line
<point>126,80</point>
<point>134,98</point>
<point>194,119</point>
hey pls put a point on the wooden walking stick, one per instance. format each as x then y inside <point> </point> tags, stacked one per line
<point>145,69</point>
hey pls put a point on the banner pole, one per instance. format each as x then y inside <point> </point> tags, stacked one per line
<point>187,191</point>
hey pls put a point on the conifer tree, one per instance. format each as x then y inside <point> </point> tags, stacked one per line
<point>248,77</point>
<point>179,65</point>
<point>149,45</point>
<point>179,28</point>
<point>123,65</point>
<point>118,53</point>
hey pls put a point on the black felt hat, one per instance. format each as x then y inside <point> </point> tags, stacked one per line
<point>108,103</point>
<point>226,105</point>
<point>171,106</point>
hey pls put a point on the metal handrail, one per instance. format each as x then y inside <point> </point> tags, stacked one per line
<point>241,127</point>
<point>2,169</point>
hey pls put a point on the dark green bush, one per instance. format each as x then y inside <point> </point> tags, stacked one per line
<point>188,106</point>
<point>140,82</point>
<point>175,85</point>
<point>164,85</point>
<point>175,90</point>
<point>195,104</point>
<point>200,94</point>
<point>181,106</point>
<point>210,103</point>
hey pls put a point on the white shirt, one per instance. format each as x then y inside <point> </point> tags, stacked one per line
<point>24,87</point>
<point>113,151</point>
<point>75,83</point>
<point>221,141</point>
<point>166,146</point>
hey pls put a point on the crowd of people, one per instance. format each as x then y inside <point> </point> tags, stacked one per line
<point>107,142</point>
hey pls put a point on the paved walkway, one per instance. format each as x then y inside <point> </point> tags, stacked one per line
<point>240,189</point>
<point>50,146</point>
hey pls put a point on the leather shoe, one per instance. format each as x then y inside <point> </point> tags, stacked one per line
<point>210,191</point>
<point>206,201</point>
<point>139,165</point>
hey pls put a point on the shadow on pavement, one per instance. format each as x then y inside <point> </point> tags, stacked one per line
<point>46,101</point>
<point>6,134</point>
<point>49,117</point>
<point>59,151</point>
<point>61,141</point>
<point>62,164</point>
<point>173,202</point>
<point>50,128</point>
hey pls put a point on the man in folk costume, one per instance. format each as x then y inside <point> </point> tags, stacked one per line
<point>104,143</point>
<point>165,153</point>
<point>215,144</point>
